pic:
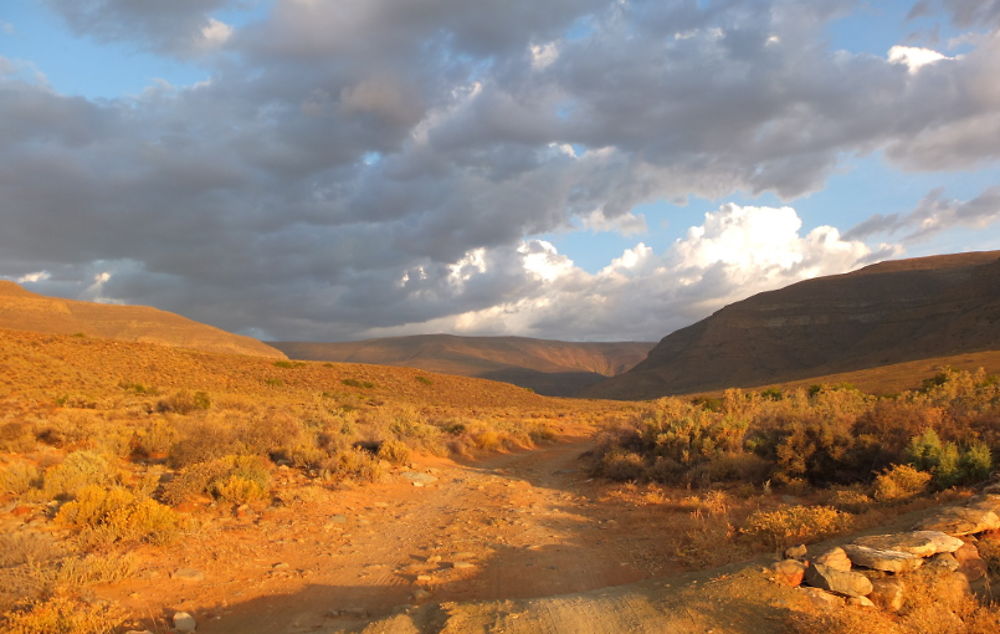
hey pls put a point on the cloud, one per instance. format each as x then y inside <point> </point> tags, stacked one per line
<point>345,156</point>
<point>934,214</point>
<point>31,278</point>
<point>179,27</point>
<point>737,252</point>
<point>914,57</point>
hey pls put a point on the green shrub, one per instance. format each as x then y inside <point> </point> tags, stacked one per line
<point>976,463</point>
<point>357,383</point>
<point>289,365</point>
<point>423,379</point>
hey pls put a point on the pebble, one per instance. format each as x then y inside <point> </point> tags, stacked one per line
<point>188,574</point>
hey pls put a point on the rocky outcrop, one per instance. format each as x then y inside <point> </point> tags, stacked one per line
<point>882,314</point>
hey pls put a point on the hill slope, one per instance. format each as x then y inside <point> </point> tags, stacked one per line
<point>555,368</point>
<point>886,313</point>
<point>21,309</point>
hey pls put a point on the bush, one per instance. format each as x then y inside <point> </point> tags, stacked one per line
<point>18,477</point>
<point>236,479</point>
<point>78,470</point>
<point>115,515</point>
<point>16,437</point>
<point>289,365</point>
<point>623,466</point>
<point>184,402</point>
<point>850,500</point>
<point>239,490</point>
<point>900,482</point>
<point>796,524</point>
<point>64,615</point>
<point>394,451</point>
<point>976,463</point>
<point>357,383</point>
<point>356,464</point>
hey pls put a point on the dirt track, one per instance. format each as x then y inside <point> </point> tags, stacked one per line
<point>521,525</point>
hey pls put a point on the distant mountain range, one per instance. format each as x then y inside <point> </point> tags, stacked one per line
<point>883,314</point>
<point>554,368</point>
<point>21,309</point>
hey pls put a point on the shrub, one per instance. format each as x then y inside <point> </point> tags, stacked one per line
<point>114,514</point>
<point>289,365</point>
<point>16,437</point>
<point>97,568</point>
<point>424,380</point>
<point>796,524</point>
<point>850,500</point>
<point>185,402</point>
<point>356,464</point>
<point>18,477</point>
<point>78,470</point>
<point>900,482</point>
<point>623,466</point>
<point>394,451</point>
<point>357,383</point>
<point>239,490</point>
<point>237,479</point>
<point>64,615</point>
<point>976,463</point>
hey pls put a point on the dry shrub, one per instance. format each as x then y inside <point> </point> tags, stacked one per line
<point>900,482</point>
<point>18,477</point>
<point>850,500</point>
<point>237,479</point>
<point>97,568</point>
<point>185,402</point>
<point>77,471</point>
<point>16,437</point>
<point>355,464</point>
<point>114,515</point>
<point>623,466</point>
<point>795,525</point>
<point>155,439</point>
<point>394,451</point>
<point>63,615</point>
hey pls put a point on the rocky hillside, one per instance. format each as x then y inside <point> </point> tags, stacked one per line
<point>21,309</point>
<point>886,313</point>
<point>555,368</point>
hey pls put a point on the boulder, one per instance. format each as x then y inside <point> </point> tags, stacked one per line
<point>835,558</point>
<point>985,502</point>
<point>877,559</point>
<point>943,560</point>
<point>969,563</point>
<point>789,572</point>
<point>796,552</point>
<point>960,520</point>
<point>184,622</point>
<point>850,584</point>
<point>861,602</point>
<point>919,543</point>
<point>822,598</point>
<point>887,594</point>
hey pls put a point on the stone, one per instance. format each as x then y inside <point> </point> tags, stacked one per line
<point>280,566</point>
<point>969,563</point>
<point>338,519</point>
<point>919,543</point>
<point>887,560</point>
<point>188,574</point>
<point>850,584</point>
<point>822,598</point>
<point>184,622</point>
<point>959,520</point>
<point>796,552</point>
<point>946,561</point>
<point>418,478</point>
<point>421,595</point>
<point>789,572</point>
<point>835,558</point>
<point>861,602</point>
<point>887,594</point>
<point>985,502</point>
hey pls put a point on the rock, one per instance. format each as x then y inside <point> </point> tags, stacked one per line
<point>789,572</point>
<point>188,574</point>
<point>184,622</point>
<point>835,558</point>
<point>462,564</point>
<point>280,566</point>
<point>919,543</point>
<point>861,602</point>
<point>419,478</point>
<point>796,552</point>
<point>959,520</point>
<point>851,584</point>
<point>946,561</point>
<point>822,598</point>
<point>887,594</point>
<point>969,563</point>
<point>985,502</point>
<point>420,594</point>
<point>887,560</point>
<point>338,519</point>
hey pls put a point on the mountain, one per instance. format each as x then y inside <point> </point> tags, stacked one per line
<point>21,309</point>
<point>887,313</point>
<point>554,368</point>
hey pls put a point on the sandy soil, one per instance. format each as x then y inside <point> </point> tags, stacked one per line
<point>521,525</point>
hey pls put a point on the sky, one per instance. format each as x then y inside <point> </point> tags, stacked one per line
<point>569,169</point>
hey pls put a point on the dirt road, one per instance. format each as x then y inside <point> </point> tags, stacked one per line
<point>521,525</point>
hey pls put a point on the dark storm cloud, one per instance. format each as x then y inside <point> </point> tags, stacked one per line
<point>346,155</point>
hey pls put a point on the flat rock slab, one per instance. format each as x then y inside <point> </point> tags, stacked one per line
<point>418,478</point>
<point>919,543</point>
<point>850,584</point>
<point>961,520</point>
<point>879,559</point>
<point>823,599</point>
